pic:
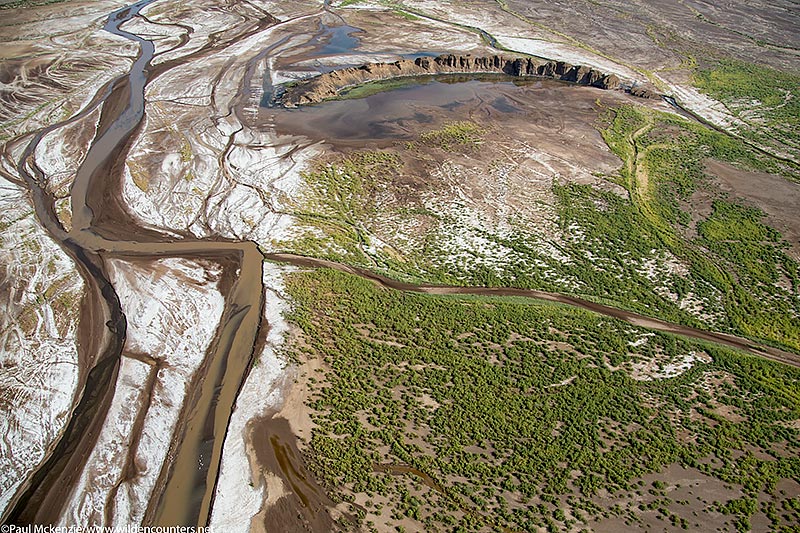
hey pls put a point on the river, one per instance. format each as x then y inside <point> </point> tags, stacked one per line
<point>188,489</point>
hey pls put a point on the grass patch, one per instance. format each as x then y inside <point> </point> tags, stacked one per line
<point>454,134</point>
<point>341,188</point>
<point>734,222</point>
<point>339,201</point>
<point>368,89</point>
<point>649,253</point>
<point>405,14</point>
<point>777,93</point>
<point>734,254</point>
<point>767,100</point>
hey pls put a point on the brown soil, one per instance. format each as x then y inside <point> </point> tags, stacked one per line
<point>697,490</point>
<point>533,133</point>
<point>778,197</point>
<point>279,449</point>
<point>654,34</point>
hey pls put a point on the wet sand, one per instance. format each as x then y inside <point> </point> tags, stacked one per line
<point>39,500</point>
<point>105,229</point>
<point>305,505</point>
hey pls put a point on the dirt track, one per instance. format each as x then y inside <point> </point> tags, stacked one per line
<point>740,343</point>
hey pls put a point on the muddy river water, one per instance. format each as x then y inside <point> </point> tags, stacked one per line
<point>102,229</point>
<point>190,479</point>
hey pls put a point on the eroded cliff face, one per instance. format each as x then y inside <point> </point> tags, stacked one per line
<point>329,85</point>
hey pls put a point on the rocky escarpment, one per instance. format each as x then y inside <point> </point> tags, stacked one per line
<point>330,84</point>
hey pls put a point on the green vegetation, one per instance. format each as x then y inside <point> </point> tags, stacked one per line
<point>767,100</point>
<point>375,87</point>
<point>405,14</point>
<point>657,251</point>
<point>460,132</point>
<point>339,190</point>
<point>732,222</point>
<point>464,413</point>
<point>454,134</point>
<point>734,256</point>
<point>521,412</point>
<point>346,199</point>
<point>339,200</point>
<point>734,79</point>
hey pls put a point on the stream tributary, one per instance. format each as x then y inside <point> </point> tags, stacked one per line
<point>188,481</point>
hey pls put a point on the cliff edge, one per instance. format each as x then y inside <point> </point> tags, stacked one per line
<point>330,84</point>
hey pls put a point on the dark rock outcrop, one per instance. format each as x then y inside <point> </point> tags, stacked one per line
<point>645,91</point>
<point>328,85</point>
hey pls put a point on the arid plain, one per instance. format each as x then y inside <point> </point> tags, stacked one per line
<point>400,265</point>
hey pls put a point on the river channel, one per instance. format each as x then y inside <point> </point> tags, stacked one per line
<point>189,480</point>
